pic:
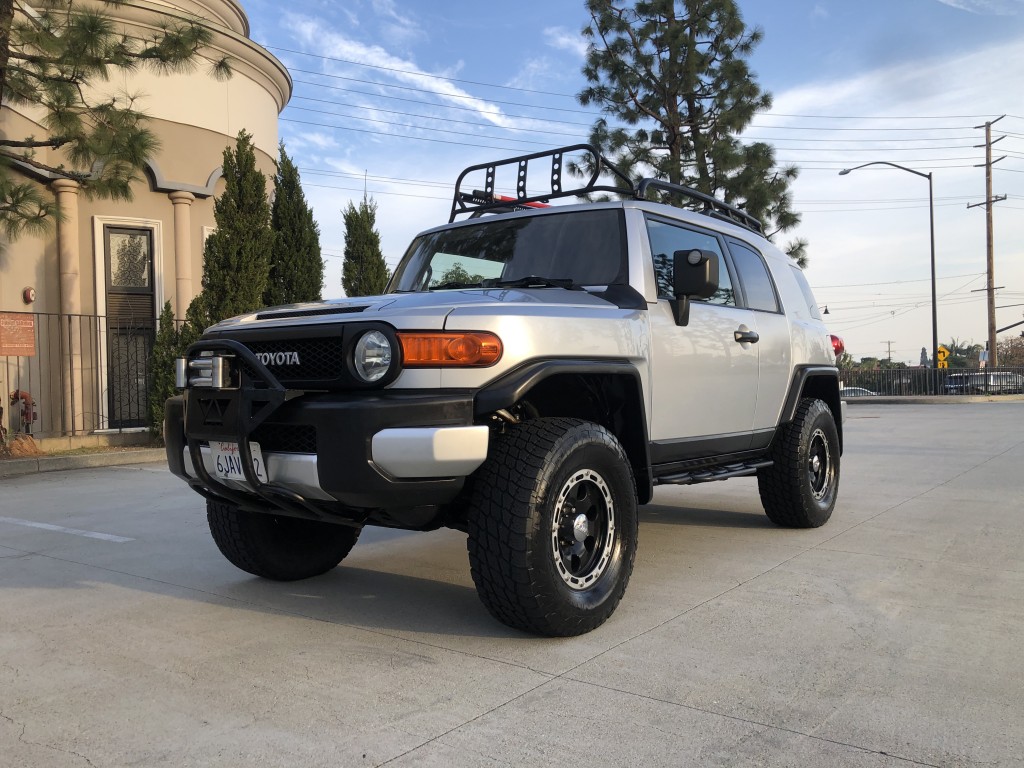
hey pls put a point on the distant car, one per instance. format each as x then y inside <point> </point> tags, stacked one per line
<point>855,392</point>
<point>982,383</point>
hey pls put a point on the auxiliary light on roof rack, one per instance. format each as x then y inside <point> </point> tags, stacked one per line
<point>480,201</point>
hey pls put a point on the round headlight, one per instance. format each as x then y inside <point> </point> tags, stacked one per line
<point>372,357</point>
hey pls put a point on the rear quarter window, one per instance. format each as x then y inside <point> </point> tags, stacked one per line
<point>805,290</point>
<point>757,283</point>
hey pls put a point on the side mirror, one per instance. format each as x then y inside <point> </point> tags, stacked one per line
<point>694,275</point>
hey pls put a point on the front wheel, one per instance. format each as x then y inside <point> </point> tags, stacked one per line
<point>553,526</point>
<point>800,489</point>
<point>275,546</point>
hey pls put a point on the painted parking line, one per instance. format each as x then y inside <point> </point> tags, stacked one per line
<point>62,529</point>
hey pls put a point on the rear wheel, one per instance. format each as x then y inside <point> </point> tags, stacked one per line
<point>553,526</point>
<point>800,489</point>
<point>278,547</point>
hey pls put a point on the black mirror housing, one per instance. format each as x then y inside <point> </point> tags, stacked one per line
<point>695,274</point>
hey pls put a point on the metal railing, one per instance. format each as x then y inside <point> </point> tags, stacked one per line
<point>932,381</point>
<point>67,375</point>
<point>64,375</point>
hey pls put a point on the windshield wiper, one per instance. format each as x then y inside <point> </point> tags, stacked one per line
<point>533,281</point>
<point>452,284</point>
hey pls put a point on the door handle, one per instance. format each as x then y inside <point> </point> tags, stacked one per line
<point>749,337</point>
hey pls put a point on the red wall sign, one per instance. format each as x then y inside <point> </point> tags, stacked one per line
<point>17,334</point>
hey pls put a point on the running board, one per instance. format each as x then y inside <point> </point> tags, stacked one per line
<point>723,472</point>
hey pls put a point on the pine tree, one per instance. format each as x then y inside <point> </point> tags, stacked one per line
<point>237,256</point>
<point>364,272</point>
<point>296,267</point>
<point>55,58</point>
<point>166,348</point>
<point>675,73</point>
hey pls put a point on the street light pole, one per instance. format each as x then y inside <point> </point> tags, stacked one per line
<point>931,228</point>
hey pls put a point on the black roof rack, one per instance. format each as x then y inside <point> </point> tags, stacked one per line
<point>479,201</point>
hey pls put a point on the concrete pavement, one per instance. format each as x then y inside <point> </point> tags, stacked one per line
<point>889,637</point>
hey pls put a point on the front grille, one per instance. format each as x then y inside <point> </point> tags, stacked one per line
<point>285,438</point>
<point>320,359</point>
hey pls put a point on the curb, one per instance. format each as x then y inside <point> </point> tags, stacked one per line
<point>932,399</point>
<point>17,467</point>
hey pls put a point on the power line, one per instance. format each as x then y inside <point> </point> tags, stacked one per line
<point>899,282</point>
<point>578,136</point>
<point>445,95</point>
<point>418,73</point>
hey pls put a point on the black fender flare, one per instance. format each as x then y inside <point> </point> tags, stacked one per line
<point>514,385</point>
<point>821,381</point>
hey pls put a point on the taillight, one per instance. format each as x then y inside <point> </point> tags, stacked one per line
<point>475,349</point>
<point>837,344</point>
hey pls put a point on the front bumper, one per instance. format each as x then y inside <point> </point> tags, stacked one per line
<point>342,451</point>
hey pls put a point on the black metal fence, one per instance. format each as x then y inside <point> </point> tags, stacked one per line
<point>931,381</point>
<point>80,374</point>
<point>74,374</point>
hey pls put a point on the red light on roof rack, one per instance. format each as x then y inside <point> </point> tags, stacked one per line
<point>506,198</point>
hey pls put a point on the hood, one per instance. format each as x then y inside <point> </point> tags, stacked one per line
<point>425,310</point>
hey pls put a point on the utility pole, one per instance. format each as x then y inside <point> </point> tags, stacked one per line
<point>993,360</point>
<point>889,345</point>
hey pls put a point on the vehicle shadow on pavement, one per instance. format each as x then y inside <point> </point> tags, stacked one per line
<point>695,516</point>
<point>380,600</point>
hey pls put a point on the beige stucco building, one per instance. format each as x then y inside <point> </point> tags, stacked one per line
<point>95,284</point>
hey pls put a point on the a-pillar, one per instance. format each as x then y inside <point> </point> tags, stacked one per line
<point>72,330</point>
<point>182,251</point>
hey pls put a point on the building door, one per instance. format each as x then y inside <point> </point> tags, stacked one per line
<point>131,323</point>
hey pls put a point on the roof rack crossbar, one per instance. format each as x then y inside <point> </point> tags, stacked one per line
<point>479,201</point>
<point>465,202</point>
<point>712,206</point>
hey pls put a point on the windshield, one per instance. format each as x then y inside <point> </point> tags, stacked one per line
<point>581,247</point>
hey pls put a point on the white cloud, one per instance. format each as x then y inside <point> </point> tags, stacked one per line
<point>534,73</point>
<point>564,39</point>
<point>987,7</point>
<point>316,139</point>
<point>334,44</point>
<point>398,28</point>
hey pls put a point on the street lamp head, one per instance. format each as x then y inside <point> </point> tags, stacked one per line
<point>844,171</point>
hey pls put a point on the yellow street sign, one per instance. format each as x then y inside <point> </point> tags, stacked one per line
<point>942,354</point>
<point>942,364</point>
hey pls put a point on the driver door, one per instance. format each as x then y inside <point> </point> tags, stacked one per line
<point>704,381</point>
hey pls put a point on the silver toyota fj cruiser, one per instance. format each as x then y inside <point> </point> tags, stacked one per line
<point>528,377</point>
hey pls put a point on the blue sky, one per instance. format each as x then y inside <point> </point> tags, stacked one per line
<point>409,93</point>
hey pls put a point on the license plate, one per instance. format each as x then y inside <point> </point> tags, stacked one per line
<point>227,461</point>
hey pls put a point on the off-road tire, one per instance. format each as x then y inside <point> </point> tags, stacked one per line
<point>278,547</point>
<point>800,489</point>
<point>543,481</point>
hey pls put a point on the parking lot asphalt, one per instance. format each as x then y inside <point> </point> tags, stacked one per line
<point>892,636</point>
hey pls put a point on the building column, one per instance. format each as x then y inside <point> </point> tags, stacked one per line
<point>69,258</point>
<point>183,290</point>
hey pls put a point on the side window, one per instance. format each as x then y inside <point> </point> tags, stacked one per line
<point>666,239</point>
<point>757,283</point>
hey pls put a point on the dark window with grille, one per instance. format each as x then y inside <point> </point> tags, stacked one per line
<point>131,322</point>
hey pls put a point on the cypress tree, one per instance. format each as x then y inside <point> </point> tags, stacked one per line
<point>364,272</point>
<point>674,73</point>
<point>161,368</point>
<point>237,255</point>
<point>296,267</point>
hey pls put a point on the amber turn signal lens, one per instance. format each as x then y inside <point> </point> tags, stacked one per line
<point>475,349</point>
